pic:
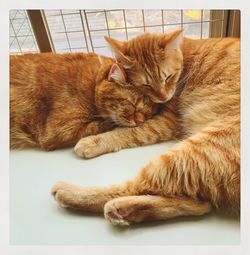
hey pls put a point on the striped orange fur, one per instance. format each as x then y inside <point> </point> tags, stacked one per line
<point>202,172</point>
<point>56,99</point>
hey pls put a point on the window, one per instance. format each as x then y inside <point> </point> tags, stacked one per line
<point>83,30</point>
<point>21,35</point>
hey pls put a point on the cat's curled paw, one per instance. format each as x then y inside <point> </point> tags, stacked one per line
<point>124,211</point>
<point>63,193</point>
<point>60,186</point>
<point>92,146</point>
<point>114,214</point>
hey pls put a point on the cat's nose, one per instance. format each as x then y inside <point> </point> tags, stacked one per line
<point>163,96</point>
<point>139,119</point>
<point>160,96</point>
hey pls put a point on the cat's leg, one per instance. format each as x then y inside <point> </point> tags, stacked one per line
<point>160,128</point>
<point>122,209</point>
<point>134,209</point>
<point>205,167</point>
<point>90,199</point>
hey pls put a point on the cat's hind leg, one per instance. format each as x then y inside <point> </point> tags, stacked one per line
<point>121,207</point>
<point>128,210</point>
<point>88,199</point>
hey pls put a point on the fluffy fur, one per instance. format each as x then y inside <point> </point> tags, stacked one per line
<point>202,172</point>
<point>56,99</point>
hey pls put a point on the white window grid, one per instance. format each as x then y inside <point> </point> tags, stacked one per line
<point>21,36</point>
<point>84,30</point>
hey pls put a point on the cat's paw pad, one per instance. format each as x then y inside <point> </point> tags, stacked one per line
<point>88,147</point>
<point>118,213</point>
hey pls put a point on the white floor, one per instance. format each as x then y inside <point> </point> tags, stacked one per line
<point>36,219</point>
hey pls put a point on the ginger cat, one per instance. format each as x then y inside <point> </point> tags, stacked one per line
<point>56,99</point>
<point>200,80</point>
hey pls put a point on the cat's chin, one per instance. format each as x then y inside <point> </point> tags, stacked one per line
<point>160,101</point>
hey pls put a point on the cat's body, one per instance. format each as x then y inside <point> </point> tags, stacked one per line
<point>203,170</point>
<point>56,99</point>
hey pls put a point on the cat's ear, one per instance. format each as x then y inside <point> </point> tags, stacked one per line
<point>173,40</point>
<point>119,49</point>
<point>117,74</point>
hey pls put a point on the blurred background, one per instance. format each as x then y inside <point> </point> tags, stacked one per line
<point>59,31</point>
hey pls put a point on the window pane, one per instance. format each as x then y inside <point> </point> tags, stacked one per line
<point>119,34</point>
<point>134,18</point>
<point>96,21</point>
<point>66,30</point>
<point>104,51</point>
<point>60,42</point>
<point>115,19</point>
<point>55,23</point>
<point>77,30</point>
<point>98,38</point>
<point>76,40</point>
<point>21,35</point>
<point>191,15</point>
<point>172,16</point>
<point>133,32</point>
<point>192,30</point>
<point>153,17</point>
<point>73,22</point>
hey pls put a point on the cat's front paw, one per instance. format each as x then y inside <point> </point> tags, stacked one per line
<point>96,145</point>
<point>89,147</point>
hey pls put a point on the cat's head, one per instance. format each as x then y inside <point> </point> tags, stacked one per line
<point>123,105</point>
<point>153,62</point>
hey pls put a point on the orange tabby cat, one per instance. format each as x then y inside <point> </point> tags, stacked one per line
<point>56,99</point>
<point>202,172</point>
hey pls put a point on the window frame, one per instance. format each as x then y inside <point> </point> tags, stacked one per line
<point>223,23</point>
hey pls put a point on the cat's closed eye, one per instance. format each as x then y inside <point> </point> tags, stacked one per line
<point>168,77</point>
<point>148,86</point>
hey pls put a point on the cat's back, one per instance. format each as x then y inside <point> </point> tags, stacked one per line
<point>50,88</point>
<point>211,61</point>
<point>50,73</point>
<point>49,67</point>
<point>210,82</point>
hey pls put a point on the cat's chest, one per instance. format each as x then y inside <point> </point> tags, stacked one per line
<point>194,115</point>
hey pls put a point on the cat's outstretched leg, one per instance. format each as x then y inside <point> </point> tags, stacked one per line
<point>120,208</point>
<point>160,128</point>
<point>205,167</point>
<point>90,199</point>
<point>134,209</point>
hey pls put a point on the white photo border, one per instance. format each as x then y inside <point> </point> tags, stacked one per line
<point>5,6</point>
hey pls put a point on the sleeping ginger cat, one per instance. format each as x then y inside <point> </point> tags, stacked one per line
<point>56,99</point>
<point>200,82</point>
